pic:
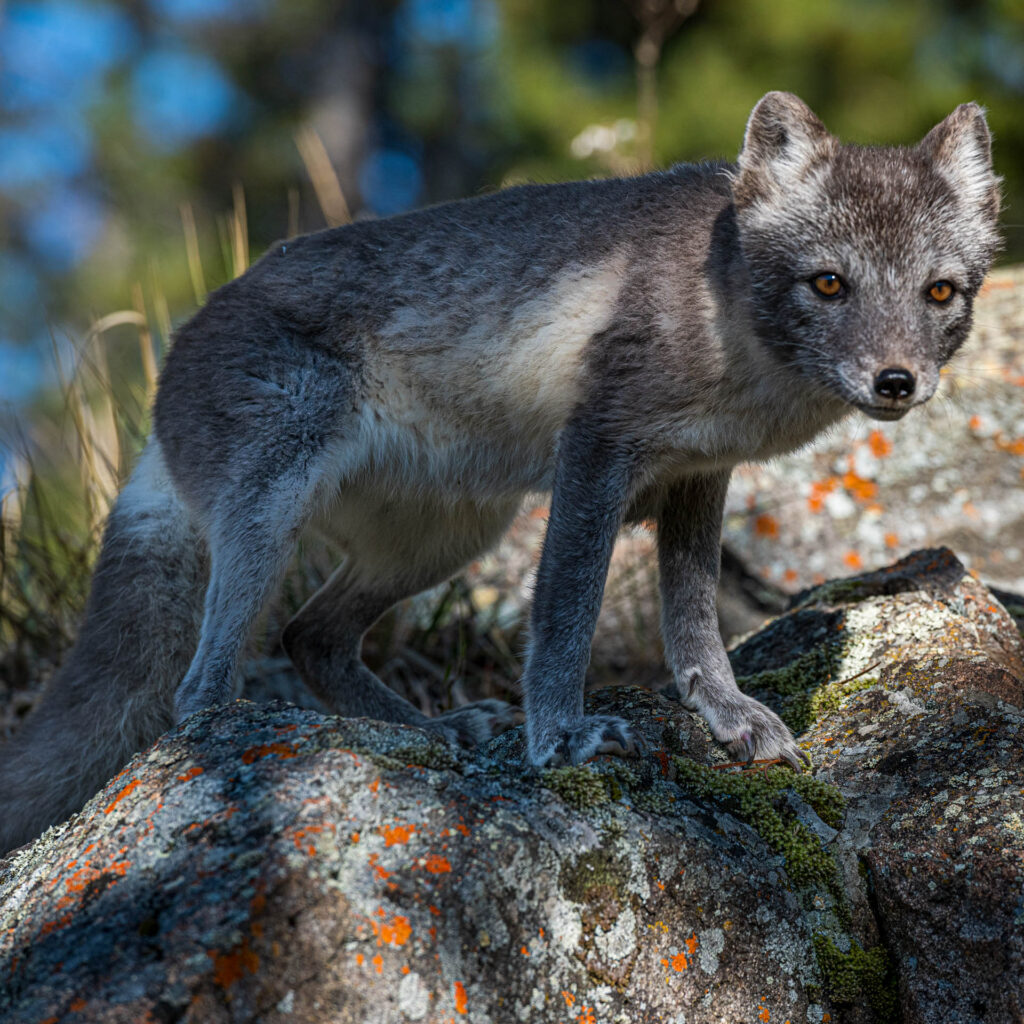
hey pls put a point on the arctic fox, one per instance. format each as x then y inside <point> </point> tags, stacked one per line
<point>400,384</point>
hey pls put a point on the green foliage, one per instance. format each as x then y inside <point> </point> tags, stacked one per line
<point>754,798</point>
<point>580,786</point>
<point>594,876</point>
<point>859,977</point>
<point>803,688</point>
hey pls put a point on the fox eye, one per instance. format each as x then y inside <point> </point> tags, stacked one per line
<point>940,291</point>
<point>828,285</point>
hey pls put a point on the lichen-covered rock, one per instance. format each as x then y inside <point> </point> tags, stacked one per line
<point>918,719</point>
<point>265,863</point>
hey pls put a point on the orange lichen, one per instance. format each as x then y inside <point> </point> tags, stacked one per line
<point>763,1014</point>
<point>853,560</point>
<point>191,773</point>
<point>437,865</point>
<point>568,997</point>
<point>396,834</point>
<point>879,444</point>
<point>816,500</point>
<point>231,967</point>
<point>861,489</point>
<point>586,1016</point>
<point>691,944</point>
<point>281,750</point>
<point>892,540</point>
<point>766,526</point>
<point>308,830</point>
<point>86,874</point>
<point>375,785</point>
<point>460,997</point>
<point>380,872</point>
<point>378,963</point>
<point>120,796</point>
<point>77,1005</point>
<point>396,933</point>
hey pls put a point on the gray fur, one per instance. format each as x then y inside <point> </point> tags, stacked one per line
<point>401,384</point>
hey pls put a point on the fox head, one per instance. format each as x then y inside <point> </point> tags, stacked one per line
<point>865,261</point>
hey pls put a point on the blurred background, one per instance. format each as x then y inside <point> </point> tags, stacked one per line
<point>149,149</point>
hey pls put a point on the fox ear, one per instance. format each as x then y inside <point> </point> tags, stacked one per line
<point>960,149</point>
<point>782,140</point>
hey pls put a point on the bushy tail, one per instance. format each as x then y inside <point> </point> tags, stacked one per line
<point>114,694</point>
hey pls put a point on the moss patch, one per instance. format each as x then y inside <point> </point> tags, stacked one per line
<point>596,875</point>
<point>754,797</point>
<point>803,689</point>
<point>861,976</point>
<point>581,786</point>
<point>850,591</point>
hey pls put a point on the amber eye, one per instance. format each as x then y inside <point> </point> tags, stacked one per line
<point>828,285</point>
<point>941,291</point>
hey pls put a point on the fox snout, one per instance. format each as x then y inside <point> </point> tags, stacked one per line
<point>889,389</point>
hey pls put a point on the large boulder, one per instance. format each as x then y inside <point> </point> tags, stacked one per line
<point>266,863</point>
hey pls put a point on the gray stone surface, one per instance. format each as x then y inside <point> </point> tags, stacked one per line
<point>266,863</point>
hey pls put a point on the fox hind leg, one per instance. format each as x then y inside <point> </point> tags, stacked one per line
<point>395,552</point>
<point>251,537</point>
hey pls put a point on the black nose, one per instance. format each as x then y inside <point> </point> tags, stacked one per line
<point>895,383</point>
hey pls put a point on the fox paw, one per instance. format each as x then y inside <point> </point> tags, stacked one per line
<point>749,730</point>
<point>596,734</point>
<point>476,723</point>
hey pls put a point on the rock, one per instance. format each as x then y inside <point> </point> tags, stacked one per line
<point>266,863</point>
<point>920,726</point>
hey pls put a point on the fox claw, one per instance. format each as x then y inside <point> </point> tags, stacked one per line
<point>596,734</point>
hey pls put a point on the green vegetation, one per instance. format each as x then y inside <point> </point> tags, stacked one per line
<point>803,688</point>
<point>859,977</point>
<point>580,786</point>
<point>594,876</point>
<point>754,797</point>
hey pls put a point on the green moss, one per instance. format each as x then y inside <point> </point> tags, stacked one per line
<point>803,688</point>
<point>659,799</point>
<point>793,685</point>
<point>754,797</point>
<point>841,592</point>
<point>594,876</point>
<point>826,699</point>
<point>431,754</point>
<point>827,801</point>
<point>580,785</point>
<point>858,977</point>
<point>796,677</point>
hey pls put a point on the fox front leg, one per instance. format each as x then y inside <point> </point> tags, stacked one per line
<point>593,480</point>
<point>689,558</point>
